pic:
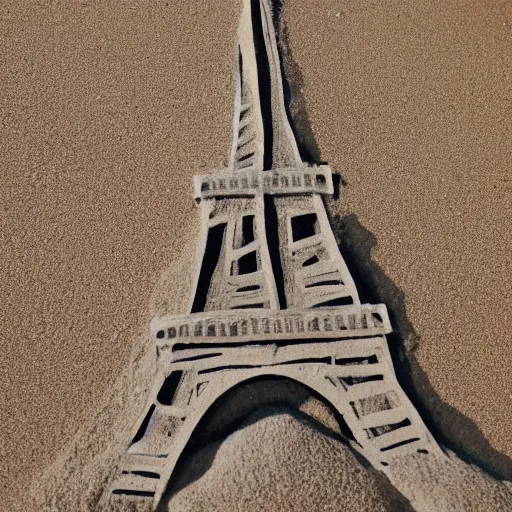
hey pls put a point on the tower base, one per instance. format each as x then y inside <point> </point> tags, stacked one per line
<point>354,375</point>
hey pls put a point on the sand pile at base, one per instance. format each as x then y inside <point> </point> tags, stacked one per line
<point>295,459</point>
<point>282,463</point>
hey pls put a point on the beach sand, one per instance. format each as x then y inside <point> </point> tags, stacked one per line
<point>109,108</point>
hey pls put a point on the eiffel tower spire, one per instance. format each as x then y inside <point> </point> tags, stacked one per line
<point>248,136</point>
<point>272,296</point>
<point>292,260</point>
<point>262,135</point>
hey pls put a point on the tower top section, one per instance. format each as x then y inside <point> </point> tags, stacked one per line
<point>262,136</point>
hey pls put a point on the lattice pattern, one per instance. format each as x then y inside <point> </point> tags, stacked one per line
<point>247,150</point>
<point>315,273</point>
<point>233,276</point>
<point>302,179</point>
<point>356,377</point>
<point>248,138</point>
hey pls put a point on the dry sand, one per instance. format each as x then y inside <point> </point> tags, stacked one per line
<point>107,111</point>
<point>323,475</point>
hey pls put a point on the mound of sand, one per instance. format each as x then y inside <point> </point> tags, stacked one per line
<point>282,463</point>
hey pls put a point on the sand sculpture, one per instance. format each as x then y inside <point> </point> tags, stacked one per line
<point>273,296</point>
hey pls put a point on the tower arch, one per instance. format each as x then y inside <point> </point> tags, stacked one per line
<point>244,403</point>
<point>354,377</point>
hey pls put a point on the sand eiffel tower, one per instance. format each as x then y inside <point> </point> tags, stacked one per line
<point>273,296</point>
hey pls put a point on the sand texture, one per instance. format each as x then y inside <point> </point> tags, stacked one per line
<point>109,108</point>
<point>286,478</point>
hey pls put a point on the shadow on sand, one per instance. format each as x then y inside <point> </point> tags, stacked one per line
<point>450,428</point>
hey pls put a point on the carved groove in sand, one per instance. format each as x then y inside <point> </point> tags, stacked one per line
<point>273,296</point>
